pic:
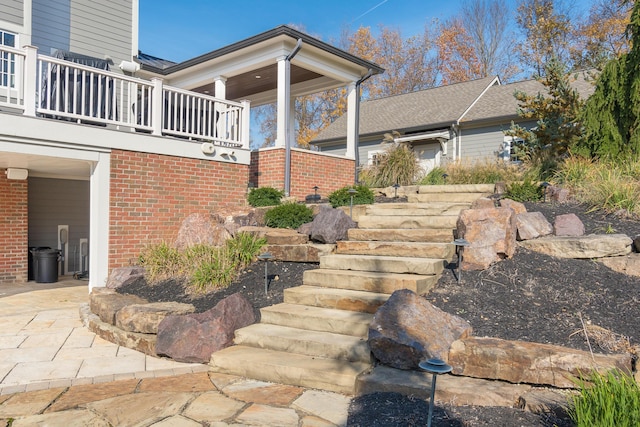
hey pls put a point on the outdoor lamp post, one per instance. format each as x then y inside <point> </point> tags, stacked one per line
<point>460,245</point>
<point>395,189</point>
<point>351,192</point>
<point>266,257</point>
<point>544,186</point>
<point>435,367</point>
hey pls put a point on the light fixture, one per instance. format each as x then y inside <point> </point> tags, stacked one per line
<point>435,367</point>
<point>460,245</point>
<point>266,256</point>
<point>351,192</point>
<point>208,148</point>
<point>14,173</point>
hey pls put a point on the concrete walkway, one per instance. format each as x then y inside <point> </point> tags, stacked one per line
<point>53,371</point>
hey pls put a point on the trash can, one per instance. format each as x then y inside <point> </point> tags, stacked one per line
<point>45,262</point>
<point>30,266</point>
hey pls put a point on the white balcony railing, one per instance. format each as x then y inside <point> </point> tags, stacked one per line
<point>40,85</point>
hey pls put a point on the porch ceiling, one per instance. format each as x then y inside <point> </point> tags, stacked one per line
<point>45,166</point>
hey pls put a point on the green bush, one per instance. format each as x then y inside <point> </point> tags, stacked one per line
<point>397,164</point>
<point>525,191</point>
<point>244,247</point>
<point>606,400</point>
<point>264,196</point>
<point>341,197</point>
<point>288,215</point>
<point>436,176</point>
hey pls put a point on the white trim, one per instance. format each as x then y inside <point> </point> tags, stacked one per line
<point>303,150</point>
<point>100,185</point>
<point>496,79</point>
<point>135,27</point>
<point>441,134</point>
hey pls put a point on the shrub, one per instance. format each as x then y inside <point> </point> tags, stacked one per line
<point>397,164</point>
<point>264,196</point>
<point>341,197</point>
<point>288,215</point>
<point>244,247</point>
<point>161,261</point>
<point>488,172</point>
<point>606,400</point>
<point>525,191</point>
<point>436,176</point>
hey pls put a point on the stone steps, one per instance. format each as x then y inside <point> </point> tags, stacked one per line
<point>445,197</point>
<point>408,222</point>
<point>402,249</point>
<point>289,368</point>
<point>402,235</point>
<point>312,343</point>
<point>416,209</point>
<point>383,264</point>
<point>341,299</point>
<point>478,189</point>
<point>318,319</point>
<point>370,281</point>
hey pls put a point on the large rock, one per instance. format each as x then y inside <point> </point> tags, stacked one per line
<point>483,203</point>
<point>194,337</point>
<point>144,318</point>
<point>568,225</point>
<point>331,225</point>
<point>557,194</point>
<point>636,243</point>
<point>106,303</point>
<point>532,225</point>
<point>276,236</point>
<point>201,229</point>
<point>527,362</point>
<point>310,252</point>
<point>629,264</point>
<point>518,207</point>
<point>125,276</point>
<point>407,329</point>
<point>491,234</point>
<point>583,247</point>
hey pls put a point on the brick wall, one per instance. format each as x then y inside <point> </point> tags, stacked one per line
<point>308,169</point>
<point>14,226</point>
<point>152,194</point>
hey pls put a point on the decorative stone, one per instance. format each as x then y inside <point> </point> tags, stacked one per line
<point>568,225</point>
<point>201,229</point>
<point>629,264</point>
<point>491,234</point>
<point>144,318</point>
<point>299,253</point>
<point>636,243</point>
<point>331,225</point>
<point>483,203</point>
<point>106,303</point>
<point>583,247</point>
<point>557,194</point>
<point>407,329</point>
<point>532,225</point>
<point>194,337</point>
<point>518,208</point>
<point>125,276</point>
<point>527,362</point>
<point>283,236</point>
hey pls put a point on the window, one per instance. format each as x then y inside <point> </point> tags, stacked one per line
<point>373,157</point>
<point>508,150</point>
<point>7,60</point>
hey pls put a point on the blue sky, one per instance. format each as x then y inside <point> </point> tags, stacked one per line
<point>179,30</point>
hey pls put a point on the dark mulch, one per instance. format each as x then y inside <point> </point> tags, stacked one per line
<point>529,297</point>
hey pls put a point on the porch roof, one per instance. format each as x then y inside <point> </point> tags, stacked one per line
<point>250,67</point>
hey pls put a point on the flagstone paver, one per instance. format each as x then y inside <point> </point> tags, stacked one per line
<point>80,417</point>
<point>263,392</point>
<point>326,405</point>
<point>186,383</point>
<point>28,403</point>
<point>213,406</point>
<point>83,394</point>
<point>264,415</point>
<point>134,409</point>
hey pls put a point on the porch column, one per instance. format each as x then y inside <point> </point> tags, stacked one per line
<point>99,210</point>
<point>283,105</point>
<point>220,87</point>
<point>352,120</point>
<point>29,77</point>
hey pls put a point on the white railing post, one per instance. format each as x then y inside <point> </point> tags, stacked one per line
<point>245,136</point>
<point>29,80</point>
<point>156,106</point>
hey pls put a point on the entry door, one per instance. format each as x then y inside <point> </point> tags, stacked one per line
<point>429,156</point>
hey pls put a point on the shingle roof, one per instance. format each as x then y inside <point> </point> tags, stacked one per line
<point>429,108</point>
<point>153,61</point>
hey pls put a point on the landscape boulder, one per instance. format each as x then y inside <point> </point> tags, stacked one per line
<point>194,337</point>
<point>532,225</point>
<point>407,330</point>
<point>144,318</point>
<point>636,243</point>
<point>491,234</point>
<point>517,207</point>
<point>331,225</point>
<point>105,303</point>
<point>581,247</point>
<point>557,194</point>
<point>629,265</point>
<point>201,229</point>
<point>568,225</point>
<point>483,203</point>
<point>122,276</point>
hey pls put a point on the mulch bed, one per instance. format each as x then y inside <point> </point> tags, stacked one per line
<point>529,297</point>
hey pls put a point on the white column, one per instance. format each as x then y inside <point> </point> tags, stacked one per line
<point>352,98</point>
<point>156,106</point>
<point>29,79</point>
<point>246,124</point>
<point>220,87</point>
<point>283,105</point>
<point>99,221</point>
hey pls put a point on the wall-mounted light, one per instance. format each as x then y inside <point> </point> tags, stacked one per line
<point>129,66</point>
<point>208,148</point>
<point>13,173</point>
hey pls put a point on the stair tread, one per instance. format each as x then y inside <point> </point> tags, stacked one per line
<point>338,291</point>
<point>307,310</point>
<point>287,331</point>
<point>376,274</point>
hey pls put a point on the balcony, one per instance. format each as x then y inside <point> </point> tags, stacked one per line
<point>37,85</point>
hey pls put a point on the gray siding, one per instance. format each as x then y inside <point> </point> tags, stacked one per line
<point>54,202</point>
<point>12,12</point>
<point>98,29</point>
<point>364,146</point>
<point>485,142</point>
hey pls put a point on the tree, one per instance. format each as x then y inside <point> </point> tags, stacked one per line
<point>601,36</point>
<point>612,113</point>
<point>457,58</point>
<point>556,111</point>
<point>546,30</point>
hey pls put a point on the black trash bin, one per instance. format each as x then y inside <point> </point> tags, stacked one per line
<point>30,264</point>
<point>45,263</point>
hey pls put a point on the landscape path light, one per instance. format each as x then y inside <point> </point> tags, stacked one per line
<point>460,245</point>
<point>544,186</point>
<point>435,367</point>
<point>395,189</point>
<point>351,192</point>
<point>266,257</point>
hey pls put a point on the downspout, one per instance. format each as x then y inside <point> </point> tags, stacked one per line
<point>356,140</point>
<point>457,140</point>
<point>287,115</point>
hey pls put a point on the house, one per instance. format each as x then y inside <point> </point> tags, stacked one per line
<point>104,149</point>
<point>458,122</point>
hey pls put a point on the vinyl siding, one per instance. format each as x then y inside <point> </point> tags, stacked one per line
<point>88,27</point>
<point>485,142</point>
<point>364,146</point>
<point>54,202</point>
<point>12,12</point>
